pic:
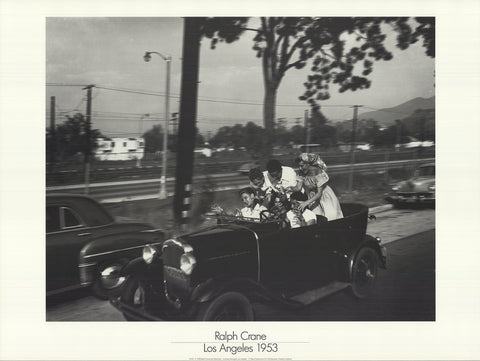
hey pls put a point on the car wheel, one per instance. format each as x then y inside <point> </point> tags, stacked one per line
<point>364,272</point>
<point>109,281</point>
<point>230,306</point>
<point>133,294</point>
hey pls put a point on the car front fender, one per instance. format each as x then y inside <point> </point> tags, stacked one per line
<point>212,288</point>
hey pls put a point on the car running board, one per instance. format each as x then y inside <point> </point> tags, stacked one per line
<point>311,296</point>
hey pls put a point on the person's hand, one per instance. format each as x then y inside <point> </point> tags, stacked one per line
<point>297,212</point>
<point>303,205</point>
<point>237,212</point>
<point>217,209</point>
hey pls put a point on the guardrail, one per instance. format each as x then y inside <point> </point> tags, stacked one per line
<point>149,188</point>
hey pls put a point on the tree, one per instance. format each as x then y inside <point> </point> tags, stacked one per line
<point>249,136</point>
<point>421,124</point>
<point>153,139</point>
<point>252,138</point>
<point>285,43</point>
<point>70,137</point>
<point>320,132</point>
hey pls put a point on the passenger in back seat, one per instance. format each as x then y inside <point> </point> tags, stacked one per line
<point>295,216</point>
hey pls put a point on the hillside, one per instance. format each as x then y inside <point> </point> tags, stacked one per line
<point>386,117</point>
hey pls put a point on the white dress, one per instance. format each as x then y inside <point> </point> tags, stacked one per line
<point>328,204</point>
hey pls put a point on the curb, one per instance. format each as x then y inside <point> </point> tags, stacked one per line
<point>380,209</point>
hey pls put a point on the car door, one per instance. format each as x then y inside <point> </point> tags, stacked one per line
<point>67,233</point>
<point>310,253</point>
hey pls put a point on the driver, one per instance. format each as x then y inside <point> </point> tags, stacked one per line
<point>252,207</point>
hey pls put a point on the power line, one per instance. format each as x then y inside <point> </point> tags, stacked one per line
<point>203,99</point>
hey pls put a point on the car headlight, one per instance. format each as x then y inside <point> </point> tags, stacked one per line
<point>149,253</point>
<point>187,263</point>
<point>395,188</point>
<point>431,188</point>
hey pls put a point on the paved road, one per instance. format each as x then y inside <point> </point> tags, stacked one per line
<point>404,292</point>
<point>407,287</point>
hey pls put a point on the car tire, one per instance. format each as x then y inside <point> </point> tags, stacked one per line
<point>364,272</point>
<point>229,306</point>
<point>108,282</point>
<point>133,294</point>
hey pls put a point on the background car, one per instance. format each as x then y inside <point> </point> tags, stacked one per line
<point>86,247</point>
<point>420,189</point>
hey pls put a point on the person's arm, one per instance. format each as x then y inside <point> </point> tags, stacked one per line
<point>316,197</point>
<point>311,218</point>
<point>298,186</point>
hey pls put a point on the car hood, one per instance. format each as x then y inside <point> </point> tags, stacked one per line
<point>221,241</point>
<point>419,184</point>
<point>120,236</point>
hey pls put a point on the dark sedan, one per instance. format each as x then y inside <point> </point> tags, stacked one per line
<point>86,247</point>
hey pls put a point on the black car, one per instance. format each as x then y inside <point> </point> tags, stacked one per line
<point>216,273</point>
<point>85,246</point>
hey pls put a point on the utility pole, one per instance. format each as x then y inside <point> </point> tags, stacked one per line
<point>175,123</point>
<point>307,131</point>
<point>352,147</point>
<point>398,125</point>
<point>88,135</point>
<point>53,138</point>
<point>188,115</point>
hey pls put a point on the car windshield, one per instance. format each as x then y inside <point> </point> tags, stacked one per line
<point>426,171</point>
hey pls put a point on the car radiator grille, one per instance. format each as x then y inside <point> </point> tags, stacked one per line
<point>171,256</point>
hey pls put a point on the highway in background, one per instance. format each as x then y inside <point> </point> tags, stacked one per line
<point>149,188</point>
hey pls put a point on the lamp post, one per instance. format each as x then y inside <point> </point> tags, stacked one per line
<point>147,57</point>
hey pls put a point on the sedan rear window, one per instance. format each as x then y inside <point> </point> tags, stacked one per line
<point>70,219</point>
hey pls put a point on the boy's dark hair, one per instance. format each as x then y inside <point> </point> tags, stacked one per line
<point>248,190</point>
<point>274,165</point>
<point>298,196</point>
<point>255,173</point>
<point>283,199</point>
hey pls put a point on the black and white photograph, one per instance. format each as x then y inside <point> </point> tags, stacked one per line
<point>203,185</point>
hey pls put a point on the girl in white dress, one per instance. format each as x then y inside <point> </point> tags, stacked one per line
<point>313,179</point>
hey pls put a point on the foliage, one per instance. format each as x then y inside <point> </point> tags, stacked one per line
<point>421,124</point>
<point>154,140</point>
<point>249,136</point>
<point>70,139</point>
<point>367,130</point>
<point>320,132</point>
<point>336,46</point>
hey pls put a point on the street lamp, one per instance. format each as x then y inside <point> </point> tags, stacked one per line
<point>147,57</point>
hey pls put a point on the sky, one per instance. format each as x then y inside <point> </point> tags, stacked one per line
<point>108,52</point>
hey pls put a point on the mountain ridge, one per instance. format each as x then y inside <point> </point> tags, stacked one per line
<point>386,117</point>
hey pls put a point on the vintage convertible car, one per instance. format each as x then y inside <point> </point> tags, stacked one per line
<point>218,272</point>
<point>86,247</point>
<point>420,189</point>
